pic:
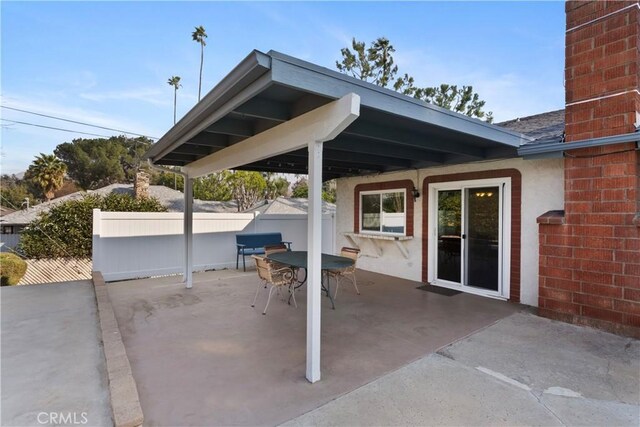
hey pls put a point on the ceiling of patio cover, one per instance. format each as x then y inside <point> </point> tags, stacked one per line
<point>394,132</point>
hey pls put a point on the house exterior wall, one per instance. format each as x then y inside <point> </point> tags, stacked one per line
<point>590,263</point>
<point>542,190</point>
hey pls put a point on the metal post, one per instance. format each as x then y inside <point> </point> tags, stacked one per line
<point>188,232</point>
<point>314,243</point>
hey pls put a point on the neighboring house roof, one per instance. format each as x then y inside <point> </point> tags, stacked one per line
<point>288,205</point>
<point>173,200</point>
<point>6,211</point>
<point>541,127</point>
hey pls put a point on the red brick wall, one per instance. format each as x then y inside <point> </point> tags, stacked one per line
<point>386,185</point>
<point>516,223</point>
<point>590,256</point>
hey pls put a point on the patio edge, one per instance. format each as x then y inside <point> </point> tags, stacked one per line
<point>125,402</point>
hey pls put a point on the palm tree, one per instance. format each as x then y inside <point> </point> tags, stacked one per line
<point>47,171</point>
<point>198,36</point>
<point>175,82</point>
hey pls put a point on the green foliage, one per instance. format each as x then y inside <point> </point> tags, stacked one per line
<point>209,187</point>
<point>47,171</point>
<point>301,190</point>
<point>461,100</point>
<point>95,163</point>
<point>276,186</point>
<point>375,64</point>
<point>14,191</point>
<point>175,82</point>
<point>199,35</point>
<point>12,269</point>
<point>247,188</point>
<point>66,229</point>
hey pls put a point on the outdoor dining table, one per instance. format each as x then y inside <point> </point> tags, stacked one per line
<point>298,259</point>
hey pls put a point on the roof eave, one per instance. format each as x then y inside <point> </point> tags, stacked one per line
<point>253,66</point>
<point>546,149</point>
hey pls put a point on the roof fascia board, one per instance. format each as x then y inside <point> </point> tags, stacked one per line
<point>297,74</point>
<point>546,147</point>
<point>247,78</point>
<point>322,124</point>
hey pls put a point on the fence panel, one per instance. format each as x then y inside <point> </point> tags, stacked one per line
<point>129,245</point>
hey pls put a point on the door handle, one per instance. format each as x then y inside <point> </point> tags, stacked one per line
<point>464,236</point>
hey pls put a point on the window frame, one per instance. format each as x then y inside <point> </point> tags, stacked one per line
<point>380,193</point>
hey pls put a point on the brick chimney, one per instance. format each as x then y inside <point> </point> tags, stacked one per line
<point>590,254</point>
<point>141,185</point>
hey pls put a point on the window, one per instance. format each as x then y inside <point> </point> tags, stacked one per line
<point>383,212</point>
<point>7,229</point>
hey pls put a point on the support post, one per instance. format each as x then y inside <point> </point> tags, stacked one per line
<point>188,232</point>
<point>314,260</point>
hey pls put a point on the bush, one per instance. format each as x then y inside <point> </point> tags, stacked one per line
<point>65,231</point>
<point>12,269</point>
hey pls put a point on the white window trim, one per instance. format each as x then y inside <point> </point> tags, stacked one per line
<point>505,218</point>
<point>380,192</point>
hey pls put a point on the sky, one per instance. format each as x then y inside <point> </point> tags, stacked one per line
<point>107,63</point>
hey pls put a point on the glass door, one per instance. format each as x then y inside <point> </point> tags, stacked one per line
<point>449,256</point>
<point>468,227</point>
<point>482,235</point>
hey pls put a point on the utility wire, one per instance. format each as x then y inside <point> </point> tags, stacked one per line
<point>76,122</point>
<point>54,128</point>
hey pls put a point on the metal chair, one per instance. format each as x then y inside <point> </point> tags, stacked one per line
<point>348,272</point>
<point>271,274</point>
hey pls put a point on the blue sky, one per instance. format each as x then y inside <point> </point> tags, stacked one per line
<point>108,63</point>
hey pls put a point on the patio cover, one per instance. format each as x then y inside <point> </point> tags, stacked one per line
<point>274,113</point>
<point>394,132</point>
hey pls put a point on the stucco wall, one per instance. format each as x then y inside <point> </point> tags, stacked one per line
<point>542,190</point>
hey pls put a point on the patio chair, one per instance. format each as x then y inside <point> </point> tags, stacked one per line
<point>273,275</point>
<point>349,272</point>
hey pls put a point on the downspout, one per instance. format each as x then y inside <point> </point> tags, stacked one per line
<point>187,223</point>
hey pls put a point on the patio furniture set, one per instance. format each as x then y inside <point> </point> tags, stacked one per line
<point>279,269</point>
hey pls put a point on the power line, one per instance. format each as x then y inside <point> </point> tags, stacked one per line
<point>54,128</point>
<point>76,122</point>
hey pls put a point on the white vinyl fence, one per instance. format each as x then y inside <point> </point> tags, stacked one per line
<point>128,245</point>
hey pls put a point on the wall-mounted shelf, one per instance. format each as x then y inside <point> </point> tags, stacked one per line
<point>377,239</point>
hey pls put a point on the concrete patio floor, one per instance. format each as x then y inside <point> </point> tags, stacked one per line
<point>205,357</point>
<point>522,370</point>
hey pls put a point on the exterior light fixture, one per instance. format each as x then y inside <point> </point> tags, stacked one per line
<point>415,193</point>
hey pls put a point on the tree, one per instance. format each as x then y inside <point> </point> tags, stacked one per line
<point>375,64</point>
<point>199,35</point>
<point>94,163</point>
<point>47,171</point>
<point>14,191</point>
<point>66,229</point>
<point>301,190</point>
<point>276,186</point>
<point>175,82</point>
<point>209,187</point>
<point>247,188</point>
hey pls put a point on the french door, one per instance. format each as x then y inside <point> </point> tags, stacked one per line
<point>468,248</point>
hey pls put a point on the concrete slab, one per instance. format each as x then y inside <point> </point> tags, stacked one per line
<point>53,366</point>
<point>546,354</point>
<point>515,372</point>
<point>204,357</point>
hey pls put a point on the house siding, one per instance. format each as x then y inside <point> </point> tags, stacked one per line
<point>542,190</point>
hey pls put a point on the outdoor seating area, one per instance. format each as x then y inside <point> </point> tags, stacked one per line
<point>230,365</point>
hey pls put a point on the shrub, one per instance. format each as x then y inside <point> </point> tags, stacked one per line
<point>66,229</point>
<point>12,269</point>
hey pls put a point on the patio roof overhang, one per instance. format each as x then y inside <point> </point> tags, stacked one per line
<point>393,132</point>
